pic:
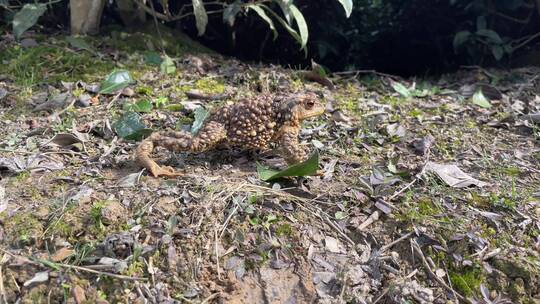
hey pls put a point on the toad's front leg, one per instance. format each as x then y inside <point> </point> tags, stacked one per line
<point>207,138</point>
<point>290,147</point>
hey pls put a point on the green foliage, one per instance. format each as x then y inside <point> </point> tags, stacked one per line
<point>141,106</point>
<point>467,281</point>
<point>307,167</point>
<point>289,13</point>
<point>488,28</point>
<point>116,81</point>
<point>201,114</point>
<point>375,34</point>
<point>27,17</point>
<point>130,127</point>
<point>30,66</point>
<point>479,99</point>
<point>167,66</point>
<point>201,17</point>
<point>382,33</point>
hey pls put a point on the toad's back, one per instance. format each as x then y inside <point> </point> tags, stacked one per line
<point>250,123</point>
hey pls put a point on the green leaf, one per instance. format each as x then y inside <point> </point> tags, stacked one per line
<point>497,52</point>
<point>307,167</point>
<point>230,12</point>
<point>257,8</point>
<point>348,6</point>
<point>152,58</point>
<point>302,25</point>
<point>49,264</point>
<point>460,38</point>
<point>161,101</point>
<point>175,107</point>
<point>80,43</point>
<point>481,23</point>
<point>479,99</point>
<point>26,18</point>
<point>491,35</point>
<point>130,127</point>
<point>285,6</point>
<point>115,81</point>
<point>319,69</point>
<point>401,89</point>
<point>141,106</point>
<point>201,18</point>
<point>289,29</point>
<point>167,66</point>
<point>201,114</point>
<point>339,215</point>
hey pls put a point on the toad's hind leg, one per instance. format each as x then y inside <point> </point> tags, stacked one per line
<point>207,138</point>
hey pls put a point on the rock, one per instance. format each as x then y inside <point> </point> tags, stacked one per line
<point>113,213</point>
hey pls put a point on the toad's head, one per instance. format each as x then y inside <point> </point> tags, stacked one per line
<point>297,107</point>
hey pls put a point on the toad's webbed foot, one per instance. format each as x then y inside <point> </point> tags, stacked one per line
<point>165,171</point>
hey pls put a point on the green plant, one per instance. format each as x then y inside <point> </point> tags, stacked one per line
<point>267,10</point>
<point>482,38</point>
<point>493,21</point>
<point>264,9</point>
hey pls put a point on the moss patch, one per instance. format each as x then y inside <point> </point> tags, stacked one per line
<point>467,281</point>
<point>23,228</point>
<point>49,63</point>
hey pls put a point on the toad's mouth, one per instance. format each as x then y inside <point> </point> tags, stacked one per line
<point>317,111</point>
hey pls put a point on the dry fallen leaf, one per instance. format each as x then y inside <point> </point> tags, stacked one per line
<point>79,294</point>
<point>61,254</point>
<point>39,277</point>
<point>453,176</point>
<point>331,244</point>
<point>3,200</point>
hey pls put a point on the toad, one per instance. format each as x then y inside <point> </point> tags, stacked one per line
<point>251,124</point>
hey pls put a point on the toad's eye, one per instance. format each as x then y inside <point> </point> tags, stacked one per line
<point>310,104</point>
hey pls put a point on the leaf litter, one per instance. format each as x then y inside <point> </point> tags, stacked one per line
<point>220,233</point>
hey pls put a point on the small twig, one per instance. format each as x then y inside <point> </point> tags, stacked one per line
<point>385,291</point>
<point>210,298</point>
<point>450,282</point>
<point>477,67</point>
<point>339,230</point>
<point>216,239</point>
<point>157,27</point>
<point>388,246</point>
<point>356,72</point>
<point>113,100</point>
<point>193,94</point>
<point>510,18</point>
<point>415,179</point>
<point>80,268</point>
<point>224,226</point>
<point>370,220</point>
<point>532,37</point>
<point>117,276</point>
<point>422,257</point>
<point>491,254</point>
<point>2,290</point>
<point>232,212</point>
<point>166,18</point>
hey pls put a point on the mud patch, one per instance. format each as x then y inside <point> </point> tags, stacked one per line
<point>275,286</point>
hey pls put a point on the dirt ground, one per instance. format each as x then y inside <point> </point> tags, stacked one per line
<point>430,192</point>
